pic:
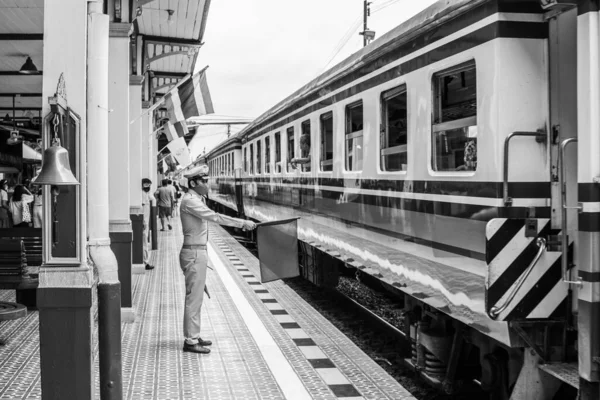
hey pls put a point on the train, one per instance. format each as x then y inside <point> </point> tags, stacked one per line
<point>455,161</point>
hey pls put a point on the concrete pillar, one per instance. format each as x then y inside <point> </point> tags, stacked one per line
<point>147,129</point>
<point>135,172</point>
<point>121,234</point>
<point>588,148</point>
<point>65,294</point>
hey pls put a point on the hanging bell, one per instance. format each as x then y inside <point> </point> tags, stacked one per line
<point>55,167</point>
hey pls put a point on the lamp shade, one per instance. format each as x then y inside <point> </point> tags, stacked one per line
<point>29,67</point>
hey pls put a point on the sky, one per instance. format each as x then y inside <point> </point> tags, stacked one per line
<point>261,51</point>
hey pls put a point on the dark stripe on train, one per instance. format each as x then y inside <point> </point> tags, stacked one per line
<point>491,190</point>
<point>588,192</point>
<point>587,276</point>
<point>226,149</point>
<point>502,237</point>
<point>420,41</point>
<point>512,212</point>
<point>305,197</point>
<point>537,293</point>
<point>586,6</point>
<point>514,270</point>
<point>589,222</point>
<point>495,30</point>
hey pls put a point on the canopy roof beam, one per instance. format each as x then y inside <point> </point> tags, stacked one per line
<point>21,36</point>
<point>17,73</point>
<point>172,41</point>
<point>20,94</point>
<point>166,74</point>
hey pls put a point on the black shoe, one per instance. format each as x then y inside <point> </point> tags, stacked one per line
<point>170,228</point>
<point>148,266</point>
<point>204,342</point>
<point>195,348</point>
<point>162,230</point>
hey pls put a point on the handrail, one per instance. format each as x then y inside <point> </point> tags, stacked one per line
<point>540,136</point>
<point>564,238</point>
<point>495,311</point>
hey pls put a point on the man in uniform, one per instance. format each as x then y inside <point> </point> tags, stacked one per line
<point>147,201</point>
<point>193,258</point>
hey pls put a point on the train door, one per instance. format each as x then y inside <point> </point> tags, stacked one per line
<point>562,54</point>
<point>562,58</point>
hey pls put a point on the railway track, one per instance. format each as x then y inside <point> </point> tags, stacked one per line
<point>374,321</point>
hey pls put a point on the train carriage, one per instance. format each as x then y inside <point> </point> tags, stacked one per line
<point>438,160</point>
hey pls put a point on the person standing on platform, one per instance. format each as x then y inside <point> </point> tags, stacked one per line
<point>165,198</point>
<point>147,201</point>
<point>4,207</point>
<point>193,259</point>
<point>37,206</point>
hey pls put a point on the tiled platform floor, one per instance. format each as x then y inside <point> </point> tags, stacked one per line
<point>266,340</point>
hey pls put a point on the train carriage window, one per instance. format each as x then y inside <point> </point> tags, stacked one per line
<point>354,136</point>
<point>305,146</point>
<point>394,134</point>
<point>277,152</point>
<point>258,157</point>
<point>326,142</point>
<point>251,158</point>
<point>290,148</point>
<point>454,131</point>
<point>267,155</point>
<point>246,159</point>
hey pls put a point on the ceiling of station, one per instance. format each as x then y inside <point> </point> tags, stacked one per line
<point>21,36</point>
<point>187,22</point>
<point>171,46</point>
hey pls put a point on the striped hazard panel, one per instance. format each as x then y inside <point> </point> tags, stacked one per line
<point>514,289</point>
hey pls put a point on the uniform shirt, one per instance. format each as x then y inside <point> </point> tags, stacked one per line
<point>164,196</point>
<point>195,216</point>
<point>147,201</point>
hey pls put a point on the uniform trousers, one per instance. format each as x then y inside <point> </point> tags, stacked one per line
<point>146,244</point>
<point>193,263</point>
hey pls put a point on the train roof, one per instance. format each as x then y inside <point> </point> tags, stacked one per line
<point>225,145</point>
<point>435,15</point>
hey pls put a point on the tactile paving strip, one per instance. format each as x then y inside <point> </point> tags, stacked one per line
<point>347,372</point>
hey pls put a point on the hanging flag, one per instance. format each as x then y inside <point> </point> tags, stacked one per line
<point>173,131</point>
<point>165,168</point>
<point>191,99</point>
<point>180,151</point>
<point>277,243</point>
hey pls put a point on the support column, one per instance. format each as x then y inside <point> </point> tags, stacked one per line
<point>136,213</point>
<point>588,148</point>
<point>65,296</point>
<point>154,172</point>
<point>120,231</point>
<point>109,288</point>
<point>147,129</point>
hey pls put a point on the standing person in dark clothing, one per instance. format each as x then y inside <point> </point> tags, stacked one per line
<point>165,200</point>
<point>193,258</point>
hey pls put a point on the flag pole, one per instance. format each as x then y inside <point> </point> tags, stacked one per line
<point>162,100</point>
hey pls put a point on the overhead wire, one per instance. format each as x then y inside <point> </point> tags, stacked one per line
<point>355,25</point>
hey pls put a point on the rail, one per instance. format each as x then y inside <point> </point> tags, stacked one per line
<point>540,137</point>
<point>495,311</point>
<point>564,238</point>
